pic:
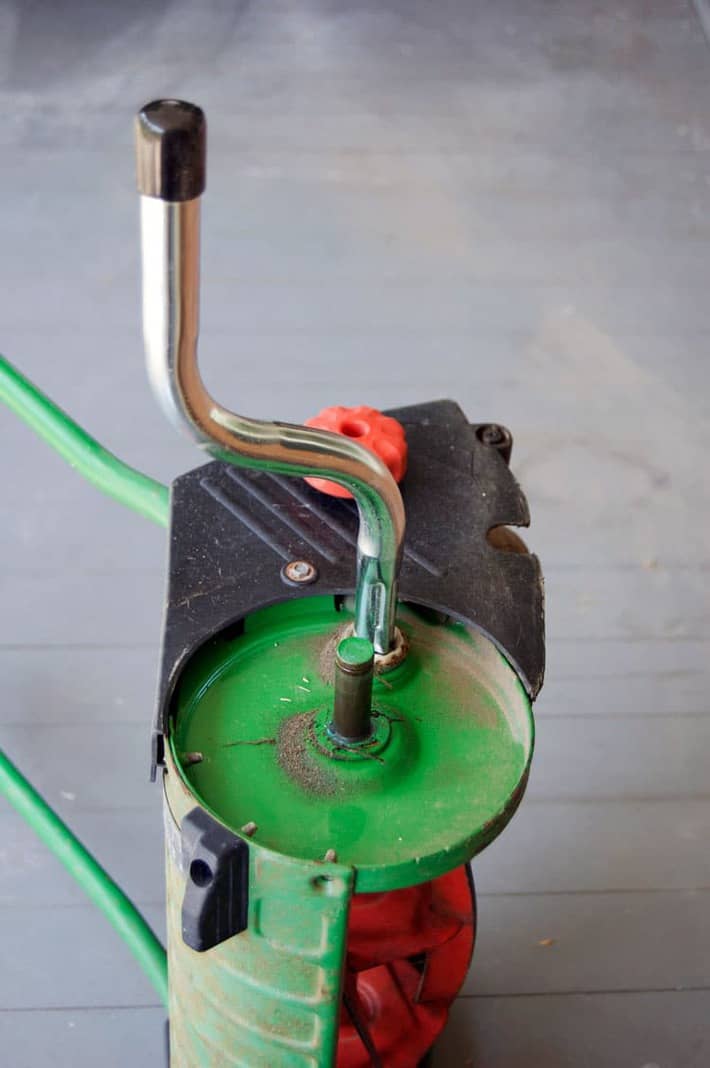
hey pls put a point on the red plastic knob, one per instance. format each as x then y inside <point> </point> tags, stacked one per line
<point>380,433</point>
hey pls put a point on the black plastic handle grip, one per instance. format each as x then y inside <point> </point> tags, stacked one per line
<point>171,149</point>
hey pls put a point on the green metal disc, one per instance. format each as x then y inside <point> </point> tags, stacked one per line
<point>441,776</point>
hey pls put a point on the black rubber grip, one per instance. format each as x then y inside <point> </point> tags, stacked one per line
<point>171,149</point>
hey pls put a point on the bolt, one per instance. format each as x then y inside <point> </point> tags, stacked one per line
<point>330,856</point>
<point>249,828</point>
<point>299,572</point>
<point>497,436</point>
<point>492,434</point>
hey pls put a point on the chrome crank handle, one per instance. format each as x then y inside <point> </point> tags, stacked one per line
<point>171,152</point>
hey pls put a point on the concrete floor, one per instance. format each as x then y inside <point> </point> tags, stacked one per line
<point>508,204</point>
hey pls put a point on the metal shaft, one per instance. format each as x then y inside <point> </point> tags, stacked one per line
<point>354,670</point>
<point>170,141</point>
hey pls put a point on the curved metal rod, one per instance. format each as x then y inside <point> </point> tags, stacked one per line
<point>170,146</point>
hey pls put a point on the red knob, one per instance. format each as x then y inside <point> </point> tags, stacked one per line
<point>380,433</point>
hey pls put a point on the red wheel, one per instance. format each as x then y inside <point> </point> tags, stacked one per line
<point>408,954</point>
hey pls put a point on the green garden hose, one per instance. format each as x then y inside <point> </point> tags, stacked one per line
<point>96,882</point>
<point>151,499</point>
<point>83,452</point>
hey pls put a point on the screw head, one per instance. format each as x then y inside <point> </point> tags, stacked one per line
<point>492,434</point>
<point>497,437</point>
<point>299,572</point>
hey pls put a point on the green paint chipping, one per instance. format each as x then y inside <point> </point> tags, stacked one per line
<point>442,785</point>
<point>269,998</point>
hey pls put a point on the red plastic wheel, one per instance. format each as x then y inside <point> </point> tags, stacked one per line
<point>407,957</point>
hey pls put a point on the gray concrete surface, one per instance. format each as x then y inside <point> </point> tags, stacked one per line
<point>504,203</point>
